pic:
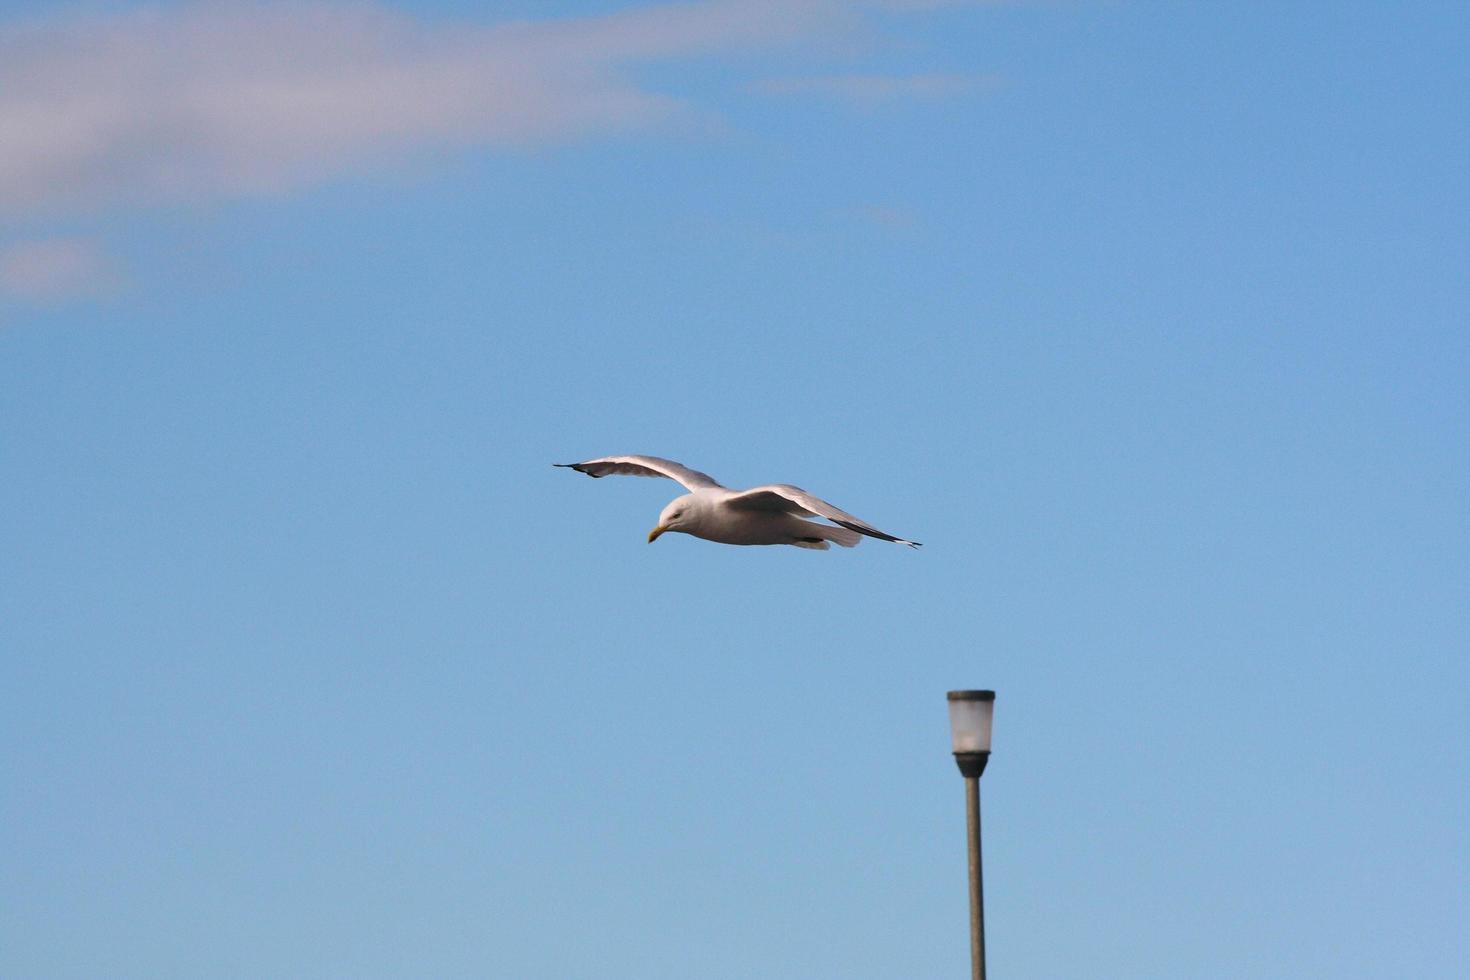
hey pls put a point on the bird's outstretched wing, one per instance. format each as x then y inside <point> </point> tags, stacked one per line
<point>794,500</point>
<point>645,466</point>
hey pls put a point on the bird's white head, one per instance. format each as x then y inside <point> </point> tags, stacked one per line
<point>677,516</point>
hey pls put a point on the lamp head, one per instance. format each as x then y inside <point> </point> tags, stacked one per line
<point>970,715</point>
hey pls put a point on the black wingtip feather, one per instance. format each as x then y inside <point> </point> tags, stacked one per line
<point>870,532</point>
<point>875,533</point>
<point>578,468</point>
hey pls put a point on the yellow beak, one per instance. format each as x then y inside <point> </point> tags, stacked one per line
<point>653,535</point>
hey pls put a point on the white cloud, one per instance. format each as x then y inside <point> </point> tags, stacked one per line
<point>890,216</point>
<point>56,269</point>
<point>198,103</point>
<point>873,90</point>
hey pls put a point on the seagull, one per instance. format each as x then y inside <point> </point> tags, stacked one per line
<point>761,515</point>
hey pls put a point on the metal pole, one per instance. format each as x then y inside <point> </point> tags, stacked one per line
<point>977,888</point>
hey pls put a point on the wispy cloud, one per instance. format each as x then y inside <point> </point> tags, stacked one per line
<point>890,216</point>
<point>194,103</point>
<point>55,270</point>
<point>874,90</point>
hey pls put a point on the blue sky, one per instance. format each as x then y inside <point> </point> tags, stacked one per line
<point>1150,320</point>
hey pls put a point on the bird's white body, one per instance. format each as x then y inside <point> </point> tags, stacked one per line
<point>708,514</point>
<point>761,515</point>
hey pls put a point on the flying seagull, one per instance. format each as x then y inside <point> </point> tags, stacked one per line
<point>761,515</point>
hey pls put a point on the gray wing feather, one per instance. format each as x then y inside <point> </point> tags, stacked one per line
<point>784,497</point>
<point>644,466</point>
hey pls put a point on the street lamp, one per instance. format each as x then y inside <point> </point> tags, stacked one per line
<point>970,713</point>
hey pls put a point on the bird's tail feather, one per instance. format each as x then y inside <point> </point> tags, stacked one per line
<point>819,535</point>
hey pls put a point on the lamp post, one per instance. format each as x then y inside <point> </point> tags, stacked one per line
<point>970,714</point>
